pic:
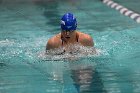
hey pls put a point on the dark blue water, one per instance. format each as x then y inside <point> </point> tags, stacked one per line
<point>25,27</point>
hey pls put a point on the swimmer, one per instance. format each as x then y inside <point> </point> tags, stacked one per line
<point>69,35</point>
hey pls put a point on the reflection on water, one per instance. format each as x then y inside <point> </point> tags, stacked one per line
<point>78,76</point>
<point>87,80</point>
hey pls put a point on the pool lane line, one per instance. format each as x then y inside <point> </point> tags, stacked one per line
<point>123,10</point>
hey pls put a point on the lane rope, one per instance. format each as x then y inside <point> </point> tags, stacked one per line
<point>123,10</point>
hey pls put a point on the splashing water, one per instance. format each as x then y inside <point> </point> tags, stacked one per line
<point>6,42</point>
<point>73,52</point>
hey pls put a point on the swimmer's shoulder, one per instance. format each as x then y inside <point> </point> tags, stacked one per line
<point>55,38</point>
<point>83,35</point>
<point>54,42</point>
<point>85,39</point>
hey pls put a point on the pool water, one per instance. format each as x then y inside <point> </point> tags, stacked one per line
<point>25,27</point>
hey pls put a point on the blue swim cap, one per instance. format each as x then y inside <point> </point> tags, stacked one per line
<point>68,22</point>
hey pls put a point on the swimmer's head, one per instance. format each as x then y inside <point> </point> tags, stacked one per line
<point>68,22</point>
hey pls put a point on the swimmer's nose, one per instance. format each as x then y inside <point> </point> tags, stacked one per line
<point>67,32</point>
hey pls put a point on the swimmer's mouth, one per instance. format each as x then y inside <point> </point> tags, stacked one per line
<point>67,37</point>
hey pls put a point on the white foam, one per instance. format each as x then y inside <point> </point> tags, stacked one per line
<point>6,42</point>
<point>72,53</point>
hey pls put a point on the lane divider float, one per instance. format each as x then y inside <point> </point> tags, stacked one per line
<point>123,10</point>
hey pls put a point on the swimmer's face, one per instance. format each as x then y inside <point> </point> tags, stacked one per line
<point>67,34</point>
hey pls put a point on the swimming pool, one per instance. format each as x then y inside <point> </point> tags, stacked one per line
<point>26,25</point>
